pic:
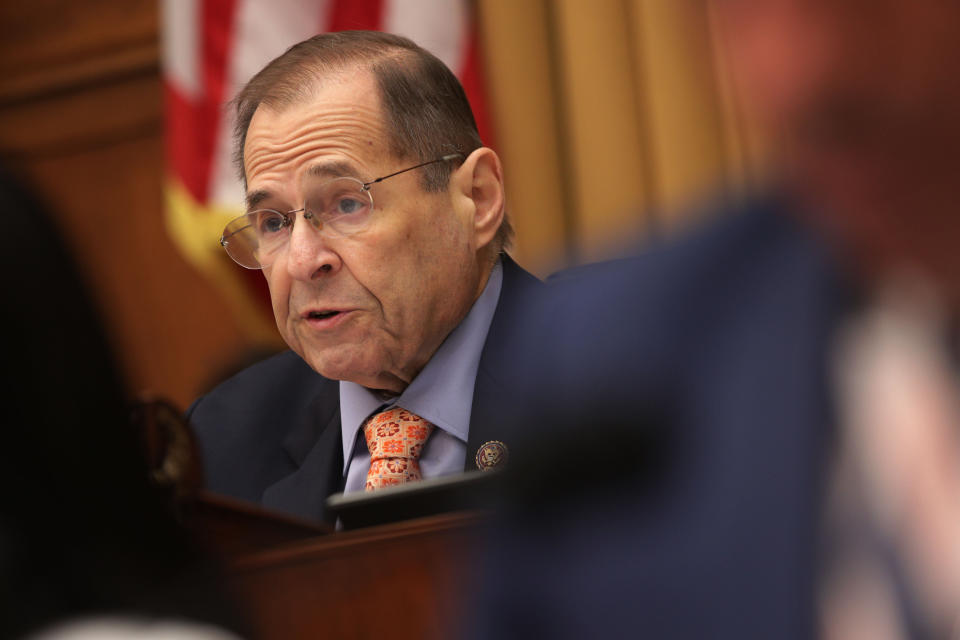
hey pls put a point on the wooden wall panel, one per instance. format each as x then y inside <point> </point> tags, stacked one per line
<point>645,125</point>
<point>523,94</point>
<point>81,119</point>
<point>684,124</point>
<point>53,45</point>
<point>604,121</point>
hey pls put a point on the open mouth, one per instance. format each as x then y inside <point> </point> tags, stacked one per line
<point>321,315</point>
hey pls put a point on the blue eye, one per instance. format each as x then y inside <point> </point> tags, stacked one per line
<point>348,205</point>
<point>269,222</point>
<point>340,206</point>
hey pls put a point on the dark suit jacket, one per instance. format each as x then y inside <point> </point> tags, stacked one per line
<point>692,381</point>
<point>271,434</point>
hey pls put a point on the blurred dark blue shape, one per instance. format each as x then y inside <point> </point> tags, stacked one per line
<point>82,530</point>
<point>680,422</point>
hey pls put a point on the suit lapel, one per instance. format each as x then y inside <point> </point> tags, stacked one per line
<point>494,408</point>
<point>314,446</point>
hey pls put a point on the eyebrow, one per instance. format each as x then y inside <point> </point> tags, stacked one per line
<point>256,197</point>
<point>337,169</point>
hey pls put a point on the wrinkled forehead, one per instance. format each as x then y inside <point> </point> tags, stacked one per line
<point>339,120</point>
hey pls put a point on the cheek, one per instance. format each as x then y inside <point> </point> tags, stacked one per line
<point>279,287</point>
<point>400,276</point>
<point>414,260</point>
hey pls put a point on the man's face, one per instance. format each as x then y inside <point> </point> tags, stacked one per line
<point>861,96</point>
<point>374,306</point>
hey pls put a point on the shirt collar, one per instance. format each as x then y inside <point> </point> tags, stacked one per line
<point>442,393</point>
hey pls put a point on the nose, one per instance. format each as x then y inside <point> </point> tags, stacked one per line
<point>309,254</point>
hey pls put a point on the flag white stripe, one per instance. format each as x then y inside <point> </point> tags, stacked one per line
<point>180,40</point>
<point>263,29</point>
<point>439,26</point>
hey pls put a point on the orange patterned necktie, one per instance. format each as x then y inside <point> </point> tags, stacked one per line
<point>395,439</point>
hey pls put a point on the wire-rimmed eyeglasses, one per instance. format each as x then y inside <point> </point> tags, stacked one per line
<point>341,206</point>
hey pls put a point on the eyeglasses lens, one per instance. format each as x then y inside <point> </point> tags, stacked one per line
<point>338,207</point>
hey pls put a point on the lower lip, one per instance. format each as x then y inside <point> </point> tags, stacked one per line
<point>324,324</point>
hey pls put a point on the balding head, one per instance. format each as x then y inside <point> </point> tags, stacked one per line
<point>426,114</point>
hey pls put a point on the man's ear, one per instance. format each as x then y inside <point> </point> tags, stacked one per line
<point>478,185</point>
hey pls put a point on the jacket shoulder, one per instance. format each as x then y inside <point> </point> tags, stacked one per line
<point>643,317</point>
<point>242,424</point>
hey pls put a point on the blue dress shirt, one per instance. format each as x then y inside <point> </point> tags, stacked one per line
<point>442,393</point>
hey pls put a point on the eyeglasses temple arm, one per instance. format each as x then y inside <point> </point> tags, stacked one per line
<point>449,156</point>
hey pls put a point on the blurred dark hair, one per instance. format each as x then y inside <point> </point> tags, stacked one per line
<point>82,530</point>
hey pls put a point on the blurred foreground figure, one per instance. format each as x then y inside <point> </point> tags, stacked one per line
<point>773,402</point>
<point>88,547</point>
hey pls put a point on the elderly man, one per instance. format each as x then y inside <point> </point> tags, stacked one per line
<point>773,416</point>
<point>378,220</point>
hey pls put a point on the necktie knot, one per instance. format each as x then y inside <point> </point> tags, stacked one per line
<point>395,439</point>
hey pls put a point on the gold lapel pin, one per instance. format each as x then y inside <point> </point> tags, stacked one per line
<point>491,455</point>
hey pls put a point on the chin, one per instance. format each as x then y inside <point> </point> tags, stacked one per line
<point>349,364</point>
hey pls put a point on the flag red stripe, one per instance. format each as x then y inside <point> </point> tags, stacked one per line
<point>217,22</point>
<point>471,77</point>
<point>191,132</point>
<point>194,122</point>
<point>348,15</point>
